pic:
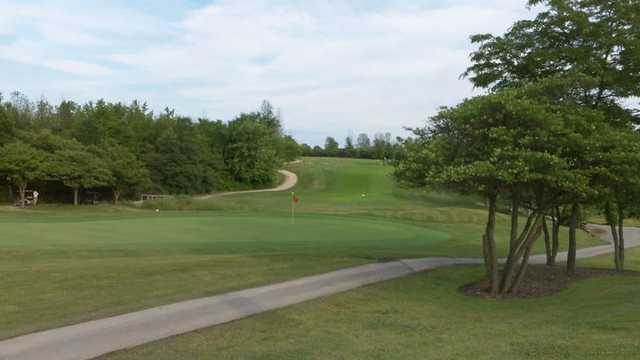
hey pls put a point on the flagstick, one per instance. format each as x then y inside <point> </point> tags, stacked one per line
<point>293,208</point>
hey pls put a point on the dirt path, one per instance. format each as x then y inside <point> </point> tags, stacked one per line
<point>94,338</point>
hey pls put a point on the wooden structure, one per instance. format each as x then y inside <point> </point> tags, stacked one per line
<point>146,197</point>
<point>92,198</point>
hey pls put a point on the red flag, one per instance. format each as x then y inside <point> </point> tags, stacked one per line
<point>296,199</point>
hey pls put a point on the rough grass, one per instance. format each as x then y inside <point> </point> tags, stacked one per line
<point>63,265</point>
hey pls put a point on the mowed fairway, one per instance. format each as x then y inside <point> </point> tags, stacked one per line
<point>61,265</point>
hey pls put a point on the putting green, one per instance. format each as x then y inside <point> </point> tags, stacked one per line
<point>213,234</point>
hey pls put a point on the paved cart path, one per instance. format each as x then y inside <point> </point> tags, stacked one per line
<point>91,339</point>
<point>290,180</point>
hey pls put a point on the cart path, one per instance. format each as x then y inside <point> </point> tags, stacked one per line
<point>94,338</point>
<point>290,180</point>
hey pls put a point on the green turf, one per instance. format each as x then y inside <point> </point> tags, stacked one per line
<point>425,317</point>
<point>333,186</point>
<point>63,265</point>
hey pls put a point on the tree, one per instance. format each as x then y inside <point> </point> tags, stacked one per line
<point>510,145</point>
<point>290,150</point>
<point>43,117</point>
<point>78,169</point>
<point>65,113</point>
<point>306,150</point>
<point>127,172</point>
<point>22,110</point>
<point>7,125</point>
<point>21,164</point>
<point>380,145</point>
<point>589,45</point>
<point>269,118</point>
<point>363,142</point>
<point>348,146</point>
<point>595,39</point>
<point>619,183</point>
<point>251,154</point>
<point>331,146</point>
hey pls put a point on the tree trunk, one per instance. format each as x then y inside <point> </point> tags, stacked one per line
<point>10,193</point>
<point>528,235</point>
<point>616,245</point>
<point>75,196</point>
<point>613,222</point>
<point>525,258</point>
<point>116,196</point>
<point>515,209</point>
<point>490,244</point>
<point>555,235</point>
<point>571,255</point>
<point>620,239</point>
<point>22,189</point>
<point>514,254</point>
<point>485,255</point>
<point>547,242</point>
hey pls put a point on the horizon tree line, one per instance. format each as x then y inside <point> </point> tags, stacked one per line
<point>383,146</point>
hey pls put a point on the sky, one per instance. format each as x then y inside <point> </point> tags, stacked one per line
<point>333,68</point>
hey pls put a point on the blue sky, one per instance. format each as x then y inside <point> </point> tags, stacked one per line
<point>332,67</point>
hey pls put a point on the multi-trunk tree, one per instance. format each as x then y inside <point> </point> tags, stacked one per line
<point>493,145</point>
<point>515,147</point>
<point>590,46</point>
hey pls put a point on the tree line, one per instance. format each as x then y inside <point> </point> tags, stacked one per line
<point>383,146</point>
<point>555,135</point>
<point>120,150</point>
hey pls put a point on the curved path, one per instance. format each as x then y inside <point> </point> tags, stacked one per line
<point>94,338</point>
<point>290,180</point>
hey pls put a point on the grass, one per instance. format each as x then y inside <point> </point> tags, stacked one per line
<point>329,186</point>
<point>63,265</point>
<point>425,317</point>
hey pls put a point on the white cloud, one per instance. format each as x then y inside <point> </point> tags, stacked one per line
<point>27,52</point>
<point>331,66</point>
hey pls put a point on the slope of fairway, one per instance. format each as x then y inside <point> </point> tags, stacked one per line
<point>425,317</point>
<point>365,188</point>
<point>63,265</point>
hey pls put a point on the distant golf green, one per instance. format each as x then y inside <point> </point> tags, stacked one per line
<point>63,265</point>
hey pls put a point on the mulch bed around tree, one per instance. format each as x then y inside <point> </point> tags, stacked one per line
<point>543,280</point>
